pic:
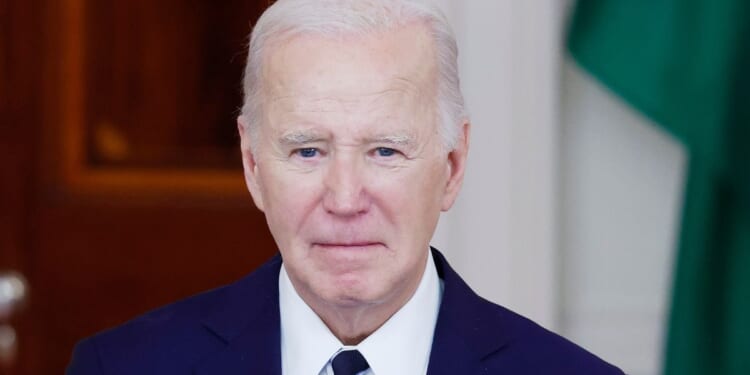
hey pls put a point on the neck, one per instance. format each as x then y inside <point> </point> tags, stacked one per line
<point>352,327</point>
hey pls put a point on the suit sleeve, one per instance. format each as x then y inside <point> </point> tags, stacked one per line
<point>85,360</point>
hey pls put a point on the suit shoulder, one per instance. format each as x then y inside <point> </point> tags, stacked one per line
<point>505,341</point>
<point>174,316</point>
<point>164,340</point>
<point>173,338</point>
<point>535,347</point>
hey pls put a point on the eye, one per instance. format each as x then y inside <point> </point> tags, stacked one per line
<point>385,151</point>
<point>307,152</point>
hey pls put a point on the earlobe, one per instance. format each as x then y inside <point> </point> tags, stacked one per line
<point>456,167</point>
<point>249,163</point>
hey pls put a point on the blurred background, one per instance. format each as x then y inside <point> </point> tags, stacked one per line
<point>606,196</point>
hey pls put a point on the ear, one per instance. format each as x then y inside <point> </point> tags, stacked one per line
<point>249,163</point>
<point>456,167</point>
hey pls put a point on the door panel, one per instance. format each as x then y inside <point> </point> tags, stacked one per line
<point>121,186</point>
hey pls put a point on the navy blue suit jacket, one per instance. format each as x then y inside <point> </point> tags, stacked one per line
<point>235,330</point>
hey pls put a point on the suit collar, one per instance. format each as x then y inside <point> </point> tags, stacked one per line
<point>246,319</point>
<point>467,329</point>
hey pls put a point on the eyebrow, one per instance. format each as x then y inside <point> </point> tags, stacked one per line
<point>296,138</point>
<point>299,138</point>
<point>399,139</point>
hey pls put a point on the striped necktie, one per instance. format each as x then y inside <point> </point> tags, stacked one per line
<point>349,362</point>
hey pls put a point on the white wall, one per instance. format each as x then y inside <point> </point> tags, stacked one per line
<point>568,210</point>
<point>501,234</point>
<point>622,185</point>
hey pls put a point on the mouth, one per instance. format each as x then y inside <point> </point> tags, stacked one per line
<point>346,245</point>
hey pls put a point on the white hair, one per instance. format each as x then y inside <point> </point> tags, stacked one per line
<point>332,18</point>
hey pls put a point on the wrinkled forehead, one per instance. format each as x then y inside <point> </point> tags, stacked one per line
<point>402,59</point>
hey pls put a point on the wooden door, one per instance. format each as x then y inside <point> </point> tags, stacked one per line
<point>121,186</point>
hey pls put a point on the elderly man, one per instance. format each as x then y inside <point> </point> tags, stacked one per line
<point>354,139</point>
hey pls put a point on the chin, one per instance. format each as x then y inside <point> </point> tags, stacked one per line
<point>353,293</point>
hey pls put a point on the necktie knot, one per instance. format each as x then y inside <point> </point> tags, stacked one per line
<point>349,362</point>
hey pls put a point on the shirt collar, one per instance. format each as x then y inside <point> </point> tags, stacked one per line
<point>400,346</point>
<point>306,342</point>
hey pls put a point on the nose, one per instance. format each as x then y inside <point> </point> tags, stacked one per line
<point>345,195</point>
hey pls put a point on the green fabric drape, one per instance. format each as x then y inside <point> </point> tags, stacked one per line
<point>686,65</point>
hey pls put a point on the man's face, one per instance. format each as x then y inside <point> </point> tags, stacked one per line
<point>349,167</point>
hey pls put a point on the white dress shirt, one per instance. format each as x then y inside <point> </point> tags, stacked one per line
<point>400,346</point>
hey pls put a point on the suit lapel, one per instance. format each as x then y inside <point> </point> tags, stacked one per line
<point>466,331</point>
<point>248,323</point>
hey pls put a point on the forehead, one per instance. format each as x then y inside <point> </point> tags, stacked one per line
<point>382,69</point>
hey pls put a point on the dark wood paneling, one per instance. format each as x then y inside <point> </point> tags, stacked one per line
<point>174,63</point>
<point>103,236</point>
<point>21,34</point>
<point>96,267</point>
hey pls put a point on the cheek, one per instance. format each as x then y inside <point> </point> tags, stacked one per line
<point>411,194</point>
<point>289,200</point>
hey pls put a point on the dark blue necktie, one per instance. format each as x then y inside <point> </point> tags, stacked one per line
<point>349,362</point>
